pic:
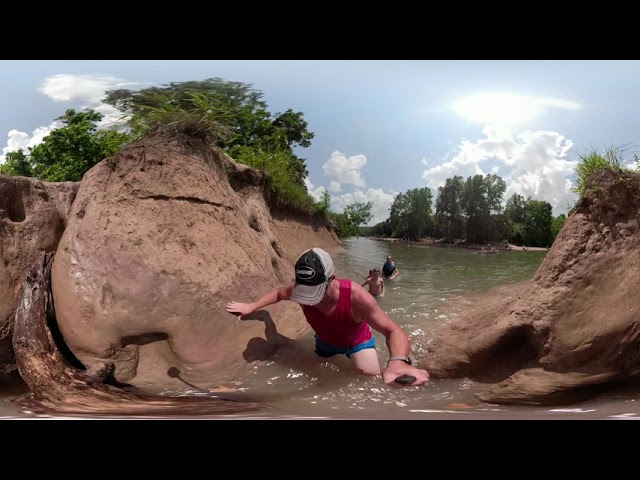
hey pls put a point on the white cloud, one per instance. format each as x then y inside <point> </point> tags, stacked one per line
<point>112,117</point>
<point>17,141</point>
<point>335,186</point>
<point>381,202</point>
<point>39,133</point>
<point>499,143</point>
<point>346,169</point>
<point>22,141</point>
<point>541,172</point>
<point>316,193</point>
<point>88,89</point>
<point>535,161</point>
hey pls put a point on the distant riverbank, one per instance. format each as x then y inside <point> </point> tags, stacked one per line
<point>467,245</point>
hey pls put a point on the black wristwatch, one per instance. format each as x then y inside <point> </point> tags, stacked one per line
<point>406,360</point>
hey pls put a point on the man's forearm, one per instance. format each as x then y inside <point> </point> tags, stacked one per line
<point>273,296</point>
<point>268,298</point>
<point>398,343</point>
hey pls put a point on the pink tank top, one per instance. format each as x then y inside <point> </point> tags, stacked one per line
<point>338,329</point>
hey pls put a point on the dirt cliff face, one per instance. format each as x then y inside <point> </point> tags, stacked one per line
<point>160,238</point>
<point>33,216</point>
<point>576,326</point>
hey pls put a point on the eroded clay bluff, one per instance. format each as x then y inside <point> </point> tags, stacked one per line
<point>57,387</point>
<point>575,328</point>
<point>160,238</point>
<point>33,216</point>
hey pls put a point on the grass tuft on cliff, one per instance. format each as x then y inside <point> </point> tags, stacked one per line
<point>612,158</point>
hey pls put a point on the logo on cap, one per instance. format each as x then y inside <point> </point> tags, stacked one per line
<point>305,272</point>
<point>310,269</point>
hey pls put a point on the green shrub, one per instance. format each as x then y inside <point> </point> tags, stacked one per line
<point>611,159</point>
<point>201,121</point>
<point>281,189</point>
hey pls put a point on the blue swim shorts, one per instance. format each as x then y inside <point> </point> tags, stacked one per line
<point>325,350</point>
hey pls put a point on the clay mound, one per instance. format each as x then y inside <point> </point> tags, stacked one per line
<point>576,326</point>
<point>160,238</point>
<point>33,216</point>
<point>58,388</point>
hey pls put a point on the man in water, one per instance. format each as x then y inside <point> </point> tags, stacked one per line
<point>376,284</point>
<point>340,312</point>
<point>389,269</point>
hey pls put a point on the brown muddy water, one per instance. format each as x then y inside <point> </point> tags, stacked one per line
<point>436,285</point>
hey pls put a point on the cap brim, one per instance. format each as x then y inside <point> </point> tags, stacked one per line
<point>308,295</point>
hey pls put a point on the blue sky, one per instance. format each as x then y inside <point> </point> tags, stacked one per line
<point>382,127</point>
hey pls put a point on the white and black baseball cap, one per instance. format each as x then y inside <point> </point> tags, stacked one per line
<point>314,269</point>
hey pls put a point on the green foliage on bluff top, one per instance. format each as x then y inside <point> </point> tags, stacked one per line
<point>229,115</point>
<point>611,158</point>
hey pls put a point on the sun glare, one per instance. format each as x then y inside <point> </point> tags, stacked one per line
<point>498,108</point>
<point>506,108</point>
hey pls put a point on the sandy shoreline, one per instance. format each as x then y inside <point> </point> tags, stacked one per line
<point>519,248</point>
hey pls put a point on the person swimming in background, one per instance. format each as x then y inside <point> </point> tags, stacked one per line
<point>375,283</point>
<point>389,269</point>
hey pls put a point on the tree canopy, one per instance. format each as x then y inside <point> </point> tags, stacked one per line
<point>16,164</point>
<point>470,210</point>
<point>410,214</point>
<point>244,127</point>
<point>69,151</point>
<point>353,215</point>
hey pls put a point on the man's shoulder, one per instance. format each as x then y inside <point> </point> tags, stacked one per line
<point>358,291</point>
<point>352,283</point>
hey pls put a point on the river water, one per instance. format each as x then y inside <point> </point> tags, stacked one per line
<point>435,286</point>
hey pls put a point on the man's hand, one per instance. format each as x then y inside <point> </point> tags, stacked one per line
<point>397,369</point>
<point>241,309</point>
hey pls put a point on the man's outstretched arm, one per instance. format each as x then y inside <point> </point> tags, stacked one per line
<point>272,296</point>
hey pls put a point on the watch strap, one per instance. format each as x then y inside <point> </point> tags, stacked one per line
<point>403,358</point>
